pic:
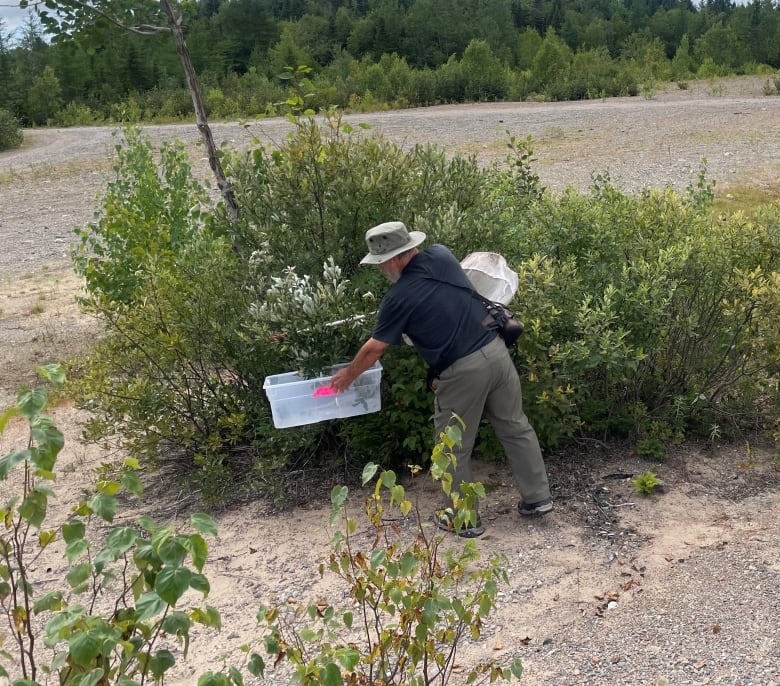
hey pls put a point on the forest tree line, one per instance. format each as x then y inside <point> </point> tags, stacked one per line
<point>374,54</point>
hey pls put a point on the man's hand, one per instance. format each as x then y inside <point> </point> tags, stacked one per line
<point>369,353</point>
<point>342,379</point>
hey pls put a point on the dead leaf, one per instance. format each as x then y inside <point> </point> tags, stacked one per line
<point>557,597</point>
<point>627,586</point>
<point>715,628</point>
<point>616,659</point>
<point>613,596</point>
<point>700,665</point>
<point>525,641</point>
<point>599,597</point>
<point>498,646</point>
<point>669,558</point>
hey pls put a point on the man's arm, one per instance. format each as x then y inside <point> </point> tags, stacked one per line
<point>369,353</point>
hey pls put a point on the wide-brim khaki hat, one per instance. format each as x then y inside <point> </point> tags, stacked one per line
<point>387,240</point>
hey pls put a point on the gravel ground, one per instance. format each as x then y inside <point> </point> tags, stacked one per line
<point>611,589</point>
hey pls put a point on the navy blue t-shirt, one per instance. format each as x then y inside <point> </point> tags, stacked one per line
<point>432,304</point>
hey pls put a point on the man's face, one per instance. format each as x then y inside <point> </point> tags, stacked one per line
<point>391,269</point>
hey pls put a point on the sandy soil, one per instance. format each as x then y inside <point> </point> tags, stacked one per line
<point>613,588</point>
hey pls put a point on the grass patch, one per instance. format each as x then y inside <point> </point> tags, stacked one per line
<point>745,198</point>
<point>48,171</point>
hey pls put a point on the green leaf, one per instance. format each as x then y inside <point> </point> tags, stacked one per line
<point>378,557</point>
<point>84,648</point>
<point>171,583</point>
<point>54,373</point>
<point>200,583</point>
<point>92,678</point>
<point>207,616</point>
<point>203,523</point>
<point>516,668</point>
<point>177,623</point>
<point>196,544</point>
<point>79,574</point>
<point>162,661</point>
<point>33,508</point>
<point>171,551</point>
<point>309,635</point>
<point>348,657</point>
<point>108,487</point>
<point>368,473</point>
<point>73,530</point>
<point>50,601</point>
<point>256,665</point>
<point>331,675</point>
<point>338,496</point>
<point>388,478</point>
<point>9,461</point>
<point>50,441</point>
<point>235,676</point>
<point>31,401</point>
<point>10,412</point>
<point>121,539</point>
<point>347,618</point>
<point>408,563</point>
<point>104,506</point>
<point>149,605</point>
<point>76,548</point>
<point>132,483</point>
<point>397,493</point>
<point>56,627</point>
<point>211,679</point>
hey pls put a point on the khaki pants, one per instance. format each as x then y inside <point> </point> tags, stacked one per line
<point>486,382</point>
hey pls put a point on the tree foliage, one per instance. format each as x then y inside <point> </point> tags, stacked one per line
<point>548,48</point>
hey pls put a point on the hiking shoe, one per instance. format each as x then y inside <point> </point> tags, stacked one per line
<point>535,509</point>
<point>445,519</point>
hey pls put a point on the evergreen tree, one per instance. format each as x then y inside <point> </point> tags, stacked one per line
<point>44,99</point>
<point>5,68</point>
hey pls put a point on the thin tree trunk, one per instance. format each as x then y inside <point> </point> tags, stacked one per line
<point>224,185</point>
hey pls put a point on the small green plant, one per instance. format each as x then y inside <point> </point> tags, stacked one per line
<point>649,89</point>
<point>412,604</point>
<point>10,132</point>
<point>646,483</point>
<point>118,602</point>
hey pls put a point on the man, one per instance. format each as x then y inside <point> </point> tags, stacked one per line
<point>431,302</point>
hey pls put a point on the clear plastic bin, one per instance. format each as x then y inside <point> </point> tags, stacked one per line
<point>293,404</point>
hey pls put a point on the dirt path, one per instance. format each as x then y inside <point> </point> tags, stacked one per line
<point>613,588</point>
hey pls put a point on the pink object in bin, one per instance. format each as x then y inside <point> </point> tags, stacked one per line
<point>323,391</point>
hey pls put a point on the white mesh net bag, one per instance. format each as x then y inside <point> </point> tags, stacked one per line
<point>491,276</point>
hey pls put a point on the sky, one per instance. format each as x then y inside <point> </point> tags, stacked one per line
<point>14,17</point>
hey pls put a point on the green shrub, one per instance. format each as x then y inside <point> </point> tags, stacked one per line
<point>148,213</point>
<point>645,316</point>
<point>10,131</point>
<point>410,603</point>
<point>123,591</point>
<point>75,114</point>
<point>644,309</point>
<point>646,483</point>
